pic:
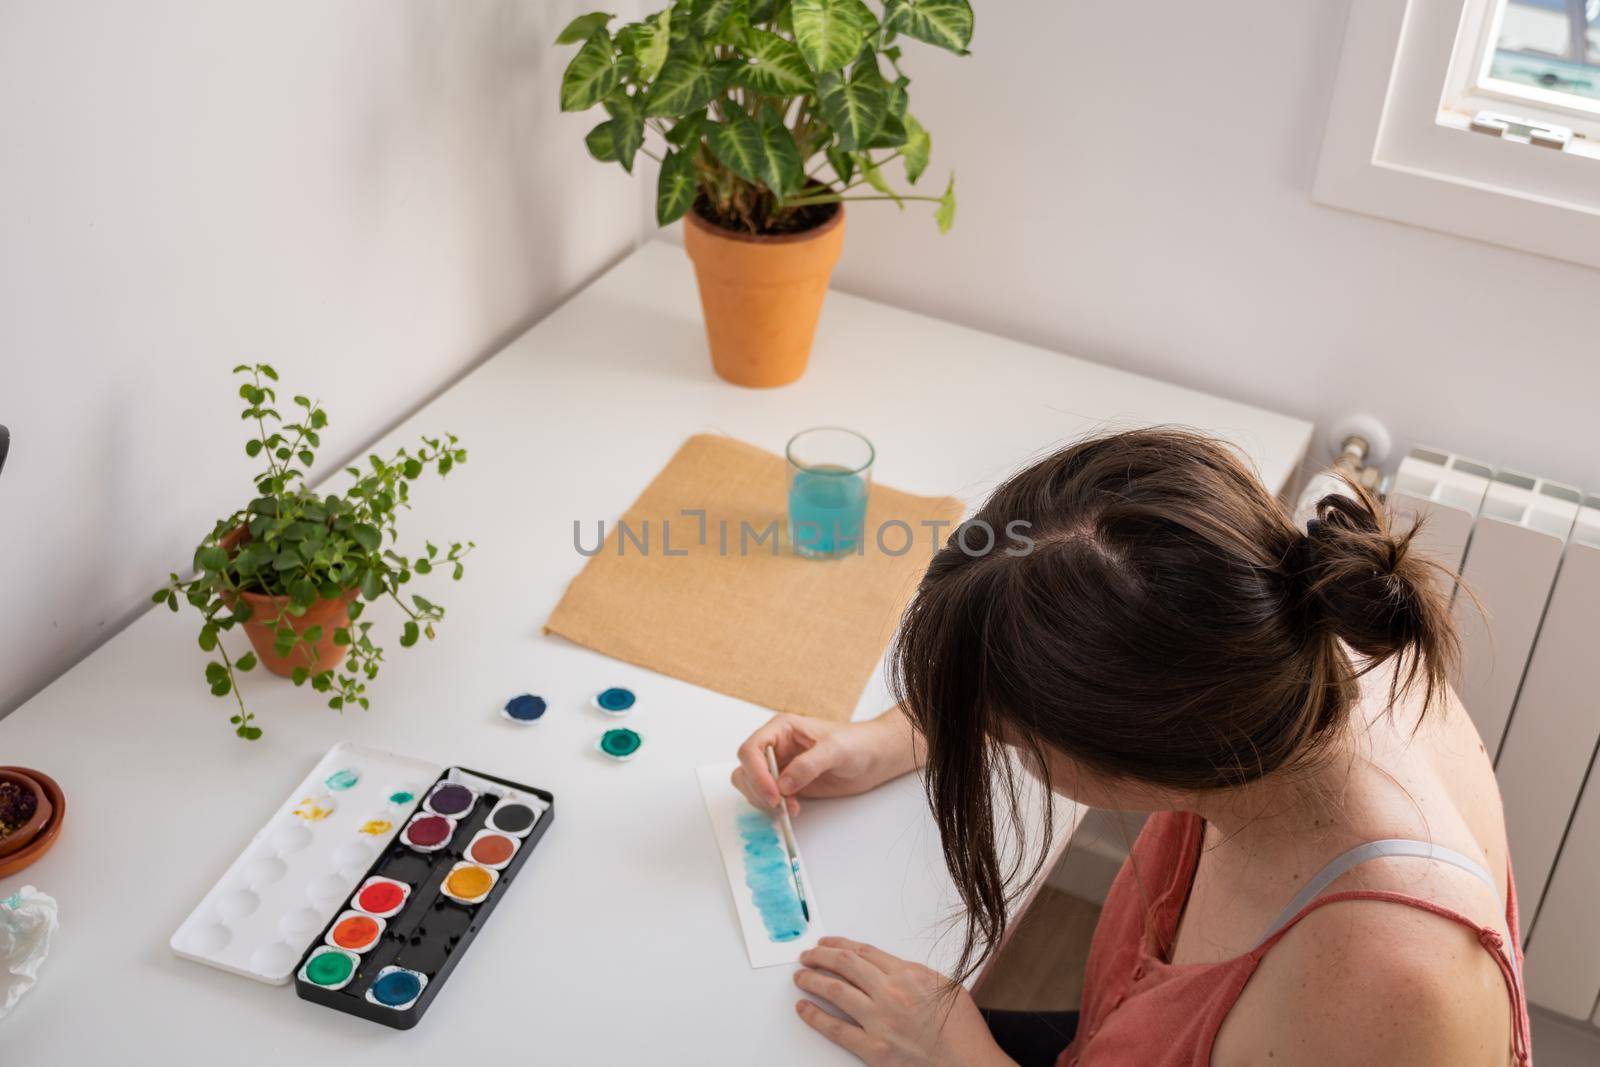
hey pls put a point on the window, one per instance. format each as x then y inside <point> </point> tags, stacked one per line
<point>1530,70</point>
<point>1546,52</point>
<point>1420,84</point>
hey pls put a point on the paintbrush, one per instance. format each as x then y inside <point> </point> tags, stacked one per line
<point>790,846</point>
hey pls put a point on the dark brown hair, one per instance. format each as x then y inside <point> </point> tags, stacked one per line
<point>1169,625</point>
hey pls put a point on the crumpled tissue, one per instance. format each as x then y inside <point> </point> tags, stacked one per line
<point>27,919</point>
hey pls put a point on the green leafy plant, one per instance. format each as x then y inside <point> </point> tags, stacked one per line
<point>293,543</point>
<point>768,111</point>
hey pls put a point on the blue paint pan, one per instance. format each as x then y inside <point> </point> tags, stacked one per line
<point>615,701</point>
<point>524,710</point>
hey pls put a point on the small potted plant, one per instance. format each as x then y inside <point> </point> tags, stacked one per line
<point>296,568</point>
<point>766,116</point>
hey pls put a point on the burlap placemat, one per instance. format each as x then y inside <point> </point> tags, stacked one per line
<point>735,610</point>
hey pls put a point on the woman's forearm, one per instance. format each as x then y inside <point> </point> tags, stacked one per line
<point>900,746</point>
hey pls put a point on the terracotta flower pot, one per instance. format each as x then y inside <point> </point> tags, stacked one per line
<point>330,614</point>
<point>762,296</point>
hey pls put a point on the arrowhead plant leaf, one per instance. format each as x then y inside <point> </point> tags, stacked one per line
<point>676,187</point>
<point>762,152</point>
<point>736,143</point>
<point>627,128</point>
<point>687,129</point>
<point>775,67</point>
<point>946,23</point>
<point>844,163</point>
<point>831,32</point>
<point>716,18</point>
<point>890,131</point>
<point>591,75</point>
<point>874,176</point>
<point>855,109</point>
<point>710,15</point>
<point>919,146</point>
<point>650,42</point>
<point>781,167</point>
<point>687,83</point>
<point>899,99</point>
<point>946,215</point>
<point>581,27</point>
<point>600,143</point>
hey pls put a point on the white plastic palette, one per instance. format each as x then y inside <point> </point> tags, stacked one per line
<point>300,868</point>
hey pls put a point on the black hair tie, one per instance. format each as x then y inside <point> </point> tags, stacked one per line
<point>1301,563</point>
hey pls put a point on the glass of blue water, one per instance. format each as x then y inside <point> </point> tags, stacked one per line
<point>830,476</point>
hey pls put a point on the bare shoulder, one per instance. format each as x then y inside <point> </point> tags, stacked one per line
<point>1362,982</point>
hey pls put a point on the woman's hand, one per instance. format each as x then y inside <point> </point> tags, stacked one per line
<point>905,1014</point>
<point>823,759</point>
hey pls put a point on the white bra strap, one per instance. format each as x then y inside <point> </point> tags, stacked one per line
<point>1370,851</point>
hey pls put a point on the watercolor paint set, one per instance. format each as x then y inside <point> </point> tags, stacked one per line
<point>369,882</point>
<point>404,928</point>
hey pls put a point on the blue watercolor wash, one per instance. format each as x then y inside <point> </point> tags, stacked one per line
<point>769,877</point>
<point>525,708</point>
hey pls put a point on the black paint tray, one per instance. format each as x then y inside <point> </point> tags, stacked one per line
<point>430,933</point>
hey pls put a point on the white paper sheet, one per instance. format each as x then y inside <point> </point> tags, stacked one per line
<point>767,933</point>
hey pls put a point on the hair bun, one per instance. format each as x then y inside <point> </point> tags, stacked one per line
<point>1373,589</point>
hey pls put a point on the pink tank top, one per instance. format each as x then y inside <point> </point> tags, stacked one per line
<point>1138,1009</point>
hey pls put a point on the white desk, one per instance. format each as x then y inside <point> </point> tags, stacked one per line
<point>618,944</point>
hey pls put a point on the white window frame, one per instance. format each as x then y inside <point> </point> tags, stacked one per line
<point>1469,88</point>
<point>1393,149</point>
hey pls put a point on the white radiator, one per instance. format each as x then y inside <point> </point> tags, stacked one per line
<point>1530,551</point>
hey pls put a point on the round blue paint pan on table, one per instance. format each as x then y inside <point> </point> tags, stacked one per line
<point>524,710</point>
<point>619,744</point>
<point>615,701</point>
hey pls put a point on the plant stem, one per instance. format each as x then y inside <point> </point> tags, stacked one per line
<point>396,598</point>
<point>233,683</point>
<point>266,449</point>
<point>300,437</point>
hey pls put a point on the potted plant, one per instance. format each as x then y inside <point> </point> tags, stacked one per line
<point>765,116</point>
<point>296,568</point>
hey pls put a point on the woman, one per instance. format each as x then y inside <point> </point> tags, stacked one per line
<point>1324,879</point>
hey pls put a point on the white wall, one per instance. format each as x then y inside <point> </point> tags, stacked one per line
<point>371,194</point>
<point>1133,183</point>
<point>375,194</point>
